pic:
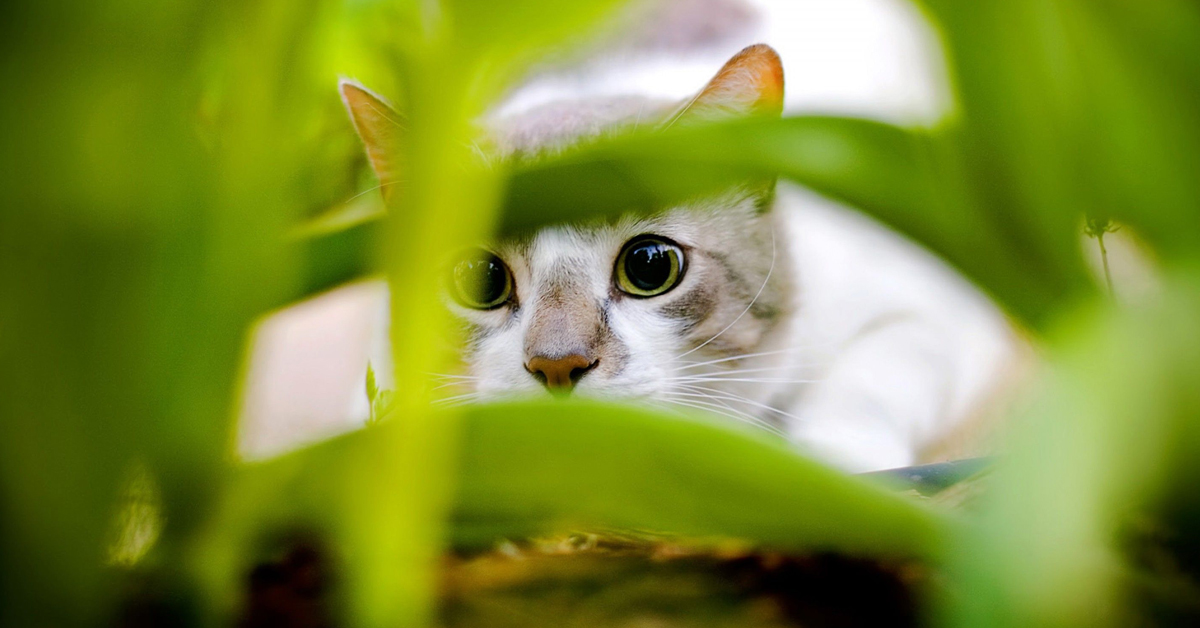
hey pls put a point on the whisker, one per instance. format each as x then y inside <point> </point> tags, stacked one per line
<point>458,399</point>
<point>666,406</point>
<point>756,380</point>
<point>744,356</point>
<point>712,400</point>
<point>464,378</point>
<point>448,385</point>
<point>448,380</point>
<point>710,408</point>
<point>702,390</point>
<point>752,302</point>
<point>381,185</point>
<point>738,371</point>
<point>697,397</point>
<point>720,410</point>
<point>726,411</point>
<point>674,397</point>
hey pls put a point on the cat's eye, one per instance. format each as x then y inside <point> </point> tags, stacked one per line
<point>481,281</point>
<point>649,266</point>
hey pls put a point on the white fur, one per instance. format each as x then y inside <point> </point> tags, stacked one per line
<point>912,349</point>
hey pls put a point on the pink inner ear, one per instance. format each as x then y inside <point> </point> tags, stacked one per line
<point>379,127</point>
<point>750,82</point>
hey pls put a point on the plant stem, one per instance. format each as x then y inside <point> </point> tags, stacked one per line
<point>1104,260</point>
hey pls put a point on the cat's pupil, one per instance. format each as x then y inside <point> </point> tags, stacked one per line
<point>648,265</point>
<point>481,280</point>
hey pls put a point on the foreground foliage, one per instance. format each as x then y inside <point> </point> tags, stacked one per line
<point>159,159</point>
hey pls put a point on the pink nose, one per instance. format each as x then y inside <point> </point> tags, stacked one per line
<point>560,374</point>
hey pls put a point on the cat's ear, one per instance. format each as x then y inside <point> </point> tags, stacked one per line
<point>380,128</point>
<point>750,83</point>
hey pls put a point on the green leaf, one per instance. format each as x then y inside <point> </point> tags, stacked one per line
<point>504,38</point>
<point>134,256</point>
<point>1110,440</point>
<point>1079,107</point>
<point>534,467</point>
<point>466,53</point>
<point>644,172</point>
<point>372,389</point>
<point>912,180</point>
<point>381,406</point>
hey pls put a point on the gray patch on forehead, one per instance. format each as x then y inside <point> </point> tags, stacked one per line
<point>554,126</point>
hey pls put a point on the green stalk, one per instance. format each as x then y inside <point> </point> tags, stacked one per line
<point>447,200</point>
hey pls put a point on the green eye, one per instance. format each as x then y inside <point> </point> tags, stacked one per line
<point>481,281</point>
<point>649,266</point>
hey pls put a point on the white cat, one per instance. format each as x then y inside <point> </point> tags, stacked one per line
<point>765,306</point>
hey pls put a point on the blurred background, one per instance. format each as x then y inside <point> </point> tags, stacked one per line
<point>191,247</point>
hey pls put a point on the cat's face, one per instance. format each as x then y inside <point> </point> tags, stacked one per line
<point>619,309</point>
<point>643,306</point>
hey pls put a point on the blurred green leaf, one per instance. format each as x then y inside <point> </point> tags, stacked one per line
<point>157,154</point>
<point>537,467</point>
<point>1086,465</point>
<point>520,27</point>
<point>462,58</point>
<point>909,179</point>
<point>127,263</point>
<point>1075,107</point>
<point>149,171</point>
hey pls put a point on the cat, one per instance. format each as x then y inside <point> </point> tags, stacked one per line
<point>763,304</point>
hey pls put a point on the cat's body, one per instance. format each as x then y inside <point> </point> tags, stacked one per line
<point>856,344</point>
<point>782,311</point>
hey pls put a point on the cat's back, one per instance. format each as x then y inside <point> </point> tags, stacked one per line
<point>886,319</point>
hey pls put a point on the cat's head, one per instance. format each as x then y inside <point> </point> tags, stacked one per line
<point>631,307</point>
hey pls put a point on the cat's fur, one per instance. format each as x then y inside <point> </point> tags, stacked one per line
<point>791,315</point>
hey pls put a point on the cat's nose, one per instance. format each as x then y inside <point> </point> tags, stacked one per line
<point>560,374</point>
